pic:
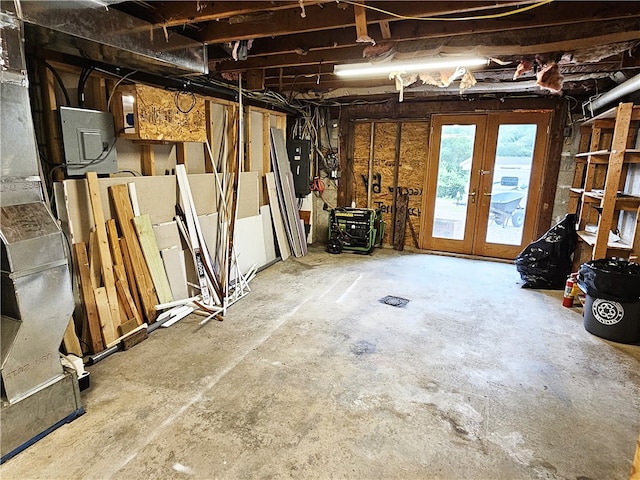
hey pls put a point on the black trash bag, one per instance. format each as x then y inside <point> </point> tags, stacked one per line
<point>546,263</point>
<point>611,279</point>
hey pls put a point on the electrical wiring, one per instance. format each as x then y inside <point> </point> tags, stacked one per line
<point>122,79</point>
<point>176,99</point>
<point>449,19</point>
<point>60,83</point>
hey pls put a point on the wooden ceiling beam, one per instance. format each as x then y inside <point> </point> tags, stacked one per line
<point>562,13</point>
<point>333,15</point>
<point>525,42</point>
<point>173,14</point>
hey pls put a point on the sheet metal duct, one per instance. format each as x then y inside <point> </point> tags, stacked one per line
<point>37,296</point>
<point>89,29</point>
<point>627,88</point>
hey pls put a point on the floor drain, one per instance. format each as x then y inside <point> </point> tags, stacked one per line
<point>394,301</point>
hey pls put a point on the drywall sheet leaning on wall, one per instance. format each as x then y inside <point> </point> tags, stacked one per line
<point>276,215</point>
<point>248,195</point>
<point>286,197</point>
<point>157,196</point>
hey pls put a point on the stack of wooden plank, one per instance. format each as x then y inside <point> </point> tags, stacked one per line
<point>115,282</point>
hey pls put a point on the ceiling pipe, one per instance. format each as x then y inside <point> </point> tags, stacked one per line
<point>630,86</point>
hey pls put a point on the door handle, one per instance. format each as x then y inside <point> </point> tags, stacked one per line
<point>487,194</point>
<point>473,196</point>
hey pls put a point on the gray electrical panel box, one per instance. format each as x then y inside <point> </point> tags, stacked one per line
<point>300,159</point>
<point>89,141</point>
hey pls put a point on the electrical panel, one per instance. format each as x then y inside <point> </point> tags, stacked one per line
<point>88,138</point>
<point>300,160</point>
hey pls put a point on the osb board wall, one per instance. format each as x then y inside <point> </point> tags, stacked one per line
<point>384,148</point>
<point>411,167</point>
<point>159,117</point>
<point>414,150</point>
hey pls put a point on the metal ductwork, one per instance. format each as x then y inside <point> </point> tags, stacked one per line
<point>37,393</point>
<point>91,30</point>
<point>626,88</point>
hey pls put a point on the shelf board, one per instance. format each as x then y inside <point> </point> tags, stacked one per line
<point>578,191</point>
<point>602,156</point>
<point>610,114</point>
<point>622,200</point>
<point>590,239</point>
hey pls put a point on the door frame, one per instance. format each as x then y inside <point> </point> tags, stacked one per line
<point>427,241</point>
<point>484,156</point>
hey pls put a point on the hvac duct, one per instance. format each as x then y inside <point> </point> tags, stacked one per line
<point>38,394</point>
<point>630,86</point>
<point>89,29</point>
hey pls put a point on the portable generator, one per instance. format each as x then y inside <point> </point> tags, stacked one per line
<point>355,229</point>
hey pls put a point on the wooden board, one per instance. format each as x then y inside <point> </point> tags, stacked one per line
<point>105,256</point>
<point>70,340</point>
<point>276,215</point>
<point>414,151</point>
<point>131,276</point>
<point>88,299</point>
<point>109,332</point>
<point>144,283</point>
<point>175,266</point>
<point>151,254</point>
<point>400,220</point>
<point>158,116</point>
<point>126,299</point>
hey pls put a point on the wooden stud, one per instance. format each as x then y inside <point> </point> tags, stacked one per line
<point>114,242</point>
<point>94,260</point>
<point>103,247</point>
<point>400,220</point>
<point>70,340</point>
<point>385,30</point>
<point>88,299</point>
<point>131,278</point>
<point>361,22</point>
<point>614,170</point>
<point>124,213</point>
<point>151,253</point>
<point>148,160</point>
<point>208,159</point>
<point>49,107</point>
<point>109,332</point>
<point>181,154</point>
<point>130,308</point>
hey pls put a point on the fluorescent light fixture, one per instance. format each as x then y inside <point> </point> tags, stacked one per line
<point>381,69</point>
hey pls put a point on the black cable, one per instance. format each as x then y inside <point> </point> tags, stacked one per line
<point>176,99</point>
<point>82,81</point>
<point>60,82</point>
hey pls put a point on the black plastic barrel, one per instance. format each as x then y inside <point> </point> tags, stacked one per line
<point>612,307</point>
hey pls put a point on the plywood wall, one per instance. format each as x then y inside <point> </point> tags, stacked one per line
<point>392,169</point>
<point>173,116</point>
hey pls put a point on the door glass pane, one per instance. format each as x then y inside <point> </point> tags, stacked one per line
<point>510,183</point>
<point>454,172</point>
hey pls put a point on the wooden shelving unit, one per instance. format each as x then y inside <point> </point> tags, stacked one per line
<point>601,194</point>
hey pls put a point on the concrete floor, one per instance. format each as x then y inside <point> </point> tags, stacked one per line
<point>311,377</point>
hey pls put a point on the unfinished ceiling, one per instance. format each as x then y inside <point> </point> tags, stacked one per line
<point>293,46</point>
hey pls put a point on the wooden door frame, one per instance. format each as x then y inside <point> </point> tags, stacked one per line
<point>484,151</point>
<point>542,121</point>
<point>426,241</point>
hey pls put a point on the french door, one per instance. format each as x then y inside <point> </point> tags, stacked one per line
<point>483,182</point>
